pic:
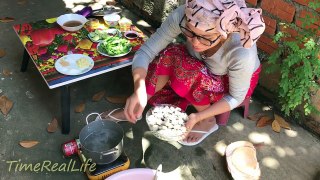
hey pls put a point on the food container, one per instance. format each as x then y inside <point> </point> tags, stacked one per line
<point>167,122</point>
<point>101,140</point>
<point>93,23</point>
<point>71,22</point>
<point>111,20</point>
<point>134,174</point>
<point>125,24</point>
<point>131,34</point>
<point>71,147</point>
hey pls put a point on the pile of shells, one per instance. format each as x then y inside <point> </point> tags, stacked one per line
<point>167,122</point>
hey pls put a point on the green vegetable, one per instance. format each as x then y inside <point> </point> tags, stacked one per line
<point>115,46</point>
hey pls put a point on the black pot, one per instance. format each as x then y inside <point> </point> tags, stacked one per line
<point>101,140</point>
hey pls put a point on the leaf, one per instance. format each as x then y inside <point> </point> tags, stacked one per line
<point>6,72</point>
<point>264,121</point>
<point>80,107</point>
<point>98,96</point>
<point>5,105</point>
<point>28,144</point>
<point>276,126</point>
<point>283,123</point>
<point>256,116</point>
<point>53,126</point>
<point>117,99</point>
<point>6,19</point>
<point>2,53</point>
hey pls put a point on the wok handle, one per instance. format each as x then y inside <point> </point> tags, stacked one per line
<point>110,152</point>
<point>98,115</point>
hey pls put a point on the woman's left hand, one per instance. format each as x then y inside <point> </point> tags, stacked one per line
<point>193,119</point>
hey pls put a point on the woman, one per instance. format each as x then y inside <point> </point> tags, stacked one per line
<point>214,71</point>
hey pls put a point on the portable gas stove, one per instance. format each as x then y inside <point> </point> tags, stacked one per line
<point>103,171</point>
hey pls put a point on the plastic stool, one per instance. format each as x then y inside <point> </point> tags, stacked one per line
<point>222,119</point>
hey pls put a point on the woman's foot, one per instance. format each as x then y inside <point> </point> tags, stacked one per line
<point>116,114</point>
<point>204,125</point>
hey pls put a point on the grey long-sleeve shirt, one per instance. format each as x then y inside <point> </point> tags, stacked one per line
<point>232,58</point>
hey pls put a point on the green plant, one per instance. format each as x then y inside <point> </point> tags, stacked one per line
<point>298,61</point>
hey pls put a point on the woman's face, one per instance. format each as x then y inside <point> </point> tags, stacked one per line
<point>197,46</point>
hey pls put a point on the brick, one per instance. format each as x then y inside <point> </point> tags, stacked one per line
<point>266,44</point>
<point>291,31</point>
<point>264,47</point>
<point>271,25</point>
<point>303,2</point>
<point>306,3</point>
<point>283,10</point>
<point>304,14</point>
<point>269,41</point>
<point>252,2</point>
<point>315,128</point>
<point>312,26</point>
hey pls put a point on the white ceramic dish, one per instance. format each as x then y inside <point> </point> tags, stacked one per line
<point>105,53</point>
<point>68,64</point>
<point>111,19</point>
<point>75,18</point>
<point>131,34</point>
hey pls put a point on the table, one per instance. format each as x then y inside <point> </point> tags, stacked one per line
<point>45,42</point>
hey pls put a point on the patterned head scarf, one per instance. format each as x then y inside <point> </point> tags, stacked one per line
<point>226,16</point>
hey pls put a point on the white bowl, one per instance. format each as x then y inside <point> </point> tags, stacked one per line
<point>71,22</point>
<point>111,20</point>
<point>163,111</point>
<point>131,34</point>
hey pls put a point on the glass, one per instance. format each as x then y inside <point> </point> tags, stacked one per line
<point>93,23</point>
<point>187,32</point>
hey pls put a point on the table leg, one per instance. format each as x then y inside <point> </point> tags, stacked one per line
<point>65,109</point>
<point>25,61</point>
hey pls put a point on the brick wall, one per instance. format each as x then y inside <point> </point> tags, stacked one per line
<point>275,11</point>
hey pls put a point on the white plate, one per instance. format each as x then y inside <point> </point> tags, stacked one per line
<point>105,53</point>
<point>68,64</point>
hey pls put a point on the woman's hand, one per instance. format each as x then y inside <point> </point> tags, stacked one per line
<point>135,104</point>
<point>138,100</point>
<point>193,119</point>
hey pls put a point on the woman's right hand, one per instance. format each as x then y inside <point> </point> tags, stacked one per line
<point>138,100</point>
<point>135,105</point>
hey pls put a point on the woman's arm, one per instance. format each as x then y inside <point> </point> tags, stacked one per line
<point>240,68</point>
<point>138,100</point>
<point>164,35</point>
<point>148,51</point>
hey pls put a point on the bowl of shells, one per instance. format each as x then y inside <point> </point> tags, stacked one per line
<point>167,122</point>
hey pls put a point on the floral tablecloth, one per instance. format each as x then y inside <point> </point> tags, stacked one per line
<point>46,41</point>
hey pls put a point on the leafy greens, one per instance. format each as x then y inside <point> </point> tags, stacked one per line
<point>115,46</point>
